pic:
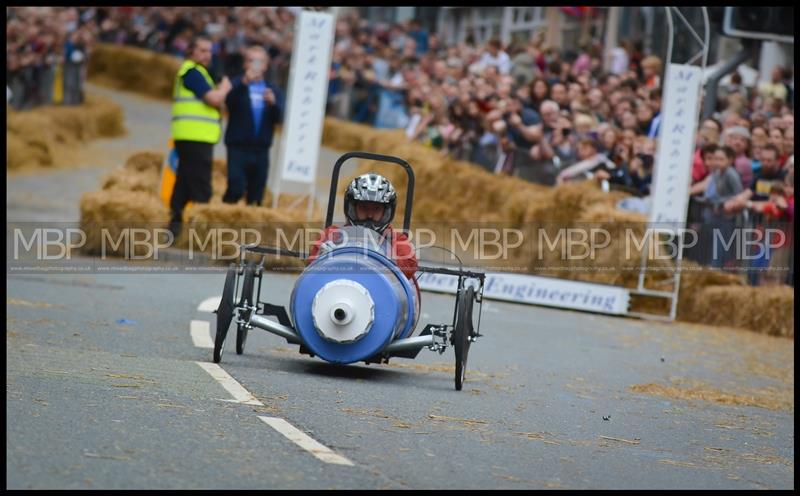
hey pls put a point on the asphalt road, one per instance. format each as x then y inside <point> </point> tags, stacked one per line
<point>103,390</point>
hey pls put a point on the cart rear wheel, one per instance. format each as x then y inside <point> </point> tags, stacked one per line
<point>225,312</point>
<point>248,286</point>
<point>462,334</point>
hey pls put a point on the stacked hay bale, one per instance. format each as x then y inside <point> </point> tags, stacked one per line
<point>133,69</point>
<point>128,199</point>
<point>214,225</point>
<point>48,136</point>
<point>141,172</point>
<point>768,309</point>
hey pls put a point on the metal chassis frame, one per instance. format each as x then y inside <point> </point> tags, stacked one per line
<point>403,348</point>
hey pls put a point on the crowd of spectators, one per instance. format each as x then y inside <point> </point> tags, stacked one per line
<point>46,43</point>
<point>46,53</point>
<point>537,112</point>
<point>544,114</point>
<point>526,109</point>
<point>231,29</point>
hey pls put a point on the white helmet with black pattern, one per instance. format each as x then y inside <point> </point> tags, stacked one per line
<point>370,187</point>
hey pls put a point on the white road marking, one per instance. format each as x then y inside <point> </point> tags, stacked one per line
<point>306,442</point>
<point>209,304</point>
<point>240,394</point>
<point>490,308</point>
<point>201,334</point>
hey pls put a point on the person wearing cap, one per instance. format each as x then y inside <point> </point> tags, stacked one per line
<point>738,138</point>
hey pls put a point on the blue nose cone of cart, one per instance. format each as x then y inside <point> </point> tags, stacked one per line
<point>352,302</point>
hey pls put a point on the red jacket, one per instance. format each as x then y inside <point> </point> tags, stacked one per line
<point>402,250</point>
<point>699,169</point>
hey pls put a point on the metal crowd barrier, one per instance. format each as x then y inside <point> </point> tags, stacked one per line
<point>748,242</point>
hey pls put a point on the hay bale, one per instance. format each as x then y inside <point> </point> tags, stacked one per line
<point>764,309</point>
<point>109,118</point>
<point>219,180</point>
<point>105,215</point>
<point>25,153</point>
<point>262,225</point>
<point>343,135</point>
<point>125,179</point>
<point>49,136</point>
<point>147,161</point>
<point>219,166</point>
<point>133,69</point>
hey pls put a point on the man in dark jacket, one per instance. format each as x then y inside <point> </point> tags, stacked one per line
<point>254,107</point>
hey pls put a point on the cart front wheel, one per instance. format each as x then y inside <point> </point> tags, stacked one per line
<point>462,334</point>
<point>225,312</point>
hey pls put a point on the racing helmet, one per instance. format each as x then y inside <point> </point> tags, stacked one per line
<point>370,187</point>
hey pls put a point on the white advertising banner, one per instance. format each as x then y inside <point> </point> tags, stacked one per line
<point>672,174</point>
<point>534,290</point>
<point>307,95</point>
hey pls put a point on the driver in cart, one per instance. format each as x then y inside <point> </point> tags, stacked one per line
<point>370,201</point>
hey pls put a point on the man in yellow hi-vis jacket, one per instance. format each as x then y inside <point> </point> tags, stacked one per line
<point>196,127</point>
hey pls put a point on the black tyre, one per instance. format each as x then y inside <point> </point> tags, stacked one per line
<point>248,285</point>
<point>462,334</point>
<point>225,312</point>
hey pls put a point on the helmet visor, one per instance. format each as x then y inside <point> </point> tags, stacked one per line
<point>367,210</point>
<point>372,215</point>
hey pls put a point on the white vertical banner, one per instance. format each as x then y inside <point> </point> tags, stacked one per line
<point>307,96</point>
<point>672,174</point>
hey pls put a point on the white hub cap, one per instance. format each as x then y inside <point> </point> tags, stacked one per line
<point>343,311</point>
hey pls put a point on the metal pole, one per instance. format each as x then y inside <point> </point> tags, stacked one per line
<point>674,307</point>
<point>275,328</point>
<point>648,13</point>
<point>706,37</point>
<point>414,343</point>
<point>671,36</point>
<point>505,28</point>
<point>711,84</point>
<point>667,61</point>
<point>612,33</point>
